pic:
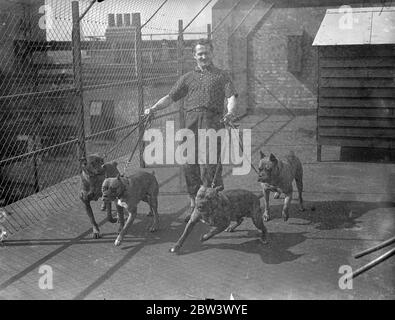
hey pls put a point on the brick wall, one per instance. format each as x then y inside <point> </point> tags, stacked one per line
<point>263,56</point>
<point>271,85</point>
<point>230,42</point>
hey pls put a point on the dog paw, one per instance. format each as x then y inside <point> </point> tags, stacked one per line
<point>118,241</point>
<point>112,220</point>
<point>263,241</point>
<point>266,217</point>
<point>285,216</point>
<point>153,228</point>
<point>96,235</point>
<point>175,249</point>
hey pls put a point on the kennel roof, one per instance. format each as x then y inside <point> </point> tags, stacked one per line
<point>357,26</point>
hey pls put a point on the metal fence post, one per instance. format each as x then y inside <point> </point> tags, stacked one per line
<point>180,66</point>
<point>180,71</point>
<point>136,22</point>
<point>77,72</point>
<point>209,31</point>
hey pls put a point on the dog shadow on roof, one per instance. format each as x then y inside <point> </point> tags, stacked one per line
<point>330,215</point>
<point>276,251</point>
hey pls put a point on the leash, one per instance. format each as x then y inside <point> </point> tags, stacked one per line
<point>122,140</point>
<point>223,120</point>
<point>229,123</point>
<point>147,121</point>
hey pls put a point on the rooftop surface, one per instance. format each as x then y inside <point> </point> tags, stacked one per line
<point>354,210</point>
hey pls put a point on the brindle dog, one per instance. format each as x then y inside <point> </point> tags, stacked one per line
<point>277,175</point>
<point>218,209</point>
<point>94,171</point>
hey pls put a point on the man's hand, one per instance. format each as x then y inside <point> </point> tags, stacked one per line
<point>149,111</point>
<point>228,120</point>
<point>160,105</point>
<point>229,117</point>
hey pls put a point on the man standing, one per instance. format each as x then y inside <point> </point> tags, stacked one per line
<point>204,89</point>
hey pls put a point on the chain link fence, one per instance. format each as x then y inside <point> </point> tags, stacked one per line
<point>74,78</point>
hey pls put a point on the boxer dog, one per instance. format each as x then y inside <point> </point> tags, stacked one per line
<point>93,173</point>
<point>141,186</point>
<point>276,175</point>
<point>218,208</point>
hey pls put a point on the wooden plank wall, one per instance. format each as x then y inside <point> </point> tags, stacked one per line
<point>356,99</point>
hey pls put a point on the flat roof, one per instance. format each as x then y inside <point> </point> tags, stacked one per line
<point>357,26</point>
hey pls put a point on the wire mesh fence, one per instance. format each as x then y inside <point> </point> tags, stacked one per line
<point>121,71</point>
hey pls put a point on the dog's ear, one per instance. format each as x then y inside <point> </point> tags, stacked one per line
<point>272,158</point>
<point>84,164</point>
<point>262,154</point>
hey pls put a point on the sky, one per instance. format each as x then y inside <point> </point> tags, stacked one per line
<point>95,22</point>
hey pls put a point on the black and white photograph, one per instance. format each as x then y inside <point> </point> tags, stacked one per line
<point>197,151</point>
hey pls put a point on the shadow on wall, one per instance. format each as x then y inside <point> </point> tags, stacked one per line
<point>302,60</point>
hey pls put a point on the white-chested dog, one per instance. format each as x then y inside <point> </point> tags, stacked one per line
<point>277,175</point>
<point>140,186</point>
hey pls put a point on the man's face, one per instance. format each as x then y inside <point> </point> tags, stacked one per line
<point>203,55</point>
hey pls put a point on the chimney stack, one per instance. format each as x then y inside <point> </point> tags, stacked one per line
<point>119,20</point>
<point>126,19</point>
<point>111,20</point>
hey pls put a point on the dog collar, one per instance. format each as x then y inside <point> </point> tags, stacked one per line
<point>91,175</point>
<point>124,181</point>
